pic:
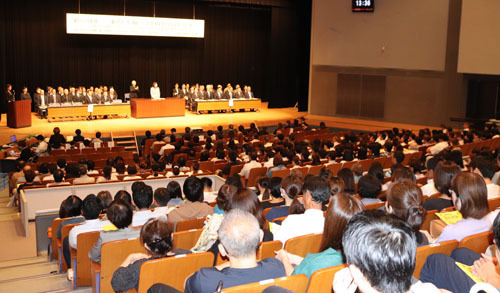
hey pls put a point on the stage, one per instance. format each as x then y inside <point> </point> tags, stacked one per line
<point>125,126</point>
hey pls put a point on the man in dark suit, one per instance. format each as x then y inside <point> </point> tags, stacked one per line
<point>87,99</point>
<point>41,104</point>
<point>219,94</point>
<point>53,97</point>
<point>210,92</point>
<point>238,94</point>
<point>97,97</point>
<point>134,90</point>
<point>248,93</point>
<point>10,94</point>
<point>71,97</point>
<point>25,95</point>
<point>228,94</point>
<point>202,94</point>
<point>176,92</point>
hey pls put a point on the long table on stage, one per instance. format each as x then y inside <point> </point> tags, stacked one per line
<point>64,111</point>
<point>214,105</point>
<point>147,108</point>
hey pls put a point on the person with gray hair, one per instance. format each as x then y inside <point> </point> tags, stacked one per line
<point>239,236</point>
<point>84,177</point>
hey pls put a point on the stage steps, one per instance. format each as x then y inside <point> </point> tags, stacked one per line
<point>127,141</point>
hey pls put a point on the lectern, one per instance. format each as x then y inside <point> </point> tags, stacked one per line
<point>19,114</point>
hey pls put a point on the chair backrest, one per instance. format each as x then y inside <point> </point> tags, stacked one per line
<point>478,242</point>
<point>55,226</point>
<point>375,206</point>
<point>494,203</point>
<point>303,245</point>
<point>321,280</point>
<point>172,271</point>
<point>64,234</point>
<point>267,249</point>
<point>280,173</point>
<point>335,168</point>
<point>235,169</point>
<point>254,174</point>
<point>295,283</point>
<point>422,180</point>
<point>186,239</point>
<point>190,224</point>
<point>303,170</point>
<point>85,241</point>
<point>112,256</point>
<point>430,215</point>
<point>315,170</point>
<point>424,251</point>
<point>207,166</point>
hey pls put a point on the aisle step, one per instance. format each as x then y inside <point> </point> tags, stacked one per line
<point>27,271</point>
<point>46,283</point>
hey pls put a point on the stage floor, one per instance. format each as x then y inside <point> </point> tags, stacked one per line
<point>125,126</point>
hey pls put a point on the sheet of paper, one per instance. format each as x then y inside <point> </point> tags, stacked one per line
<point>450,217</point>
<point>468,271</point>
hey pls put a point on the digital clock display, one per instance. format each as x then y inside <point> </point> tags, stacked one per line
<point>363,5</point>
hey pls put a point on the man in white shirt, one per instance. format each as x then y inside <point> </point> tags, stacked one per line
<point>380,254</point>
<point>91,208</point>
<point>316,192</point>
<point>155,91</point>
<point>486,169</point>
<point>143,198</point>
<point>84,178</point>
<point>161,198</point>
<point>42,147</point>
<point>429,188</point>
<point>245,171</point>
<point>441,145</point>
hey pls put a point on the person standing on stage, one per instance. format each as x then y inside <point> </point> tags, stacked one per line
<point>113,95</point>
<point>134,90</point>
<point>105,97</point>
<point>42,103</point>
<point>176,91</point>
<point>25,95</point>
<point>228,93</point>
<point>155,91</point>
<point>238,94</point>
<point>184,92</point>
<point>10,94</point>
<point>219,94</point>
<point>202,93</point>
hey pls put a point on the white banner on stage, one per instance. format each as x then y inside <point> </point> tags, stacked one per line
<point>99,24</point>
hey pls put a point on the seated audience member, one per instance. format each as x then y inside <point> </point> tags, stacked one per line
<point>17,174</point>
<point>377,171</point>
<point>380,253</point>
<point>58,179</point>
<point>369,188</point>
<point>97,138</point>
<point>291,186</point>
<point>119,214</point>
<point>348,177</point>
<point>278,164</point>
<point>342,207</point>
<point>276,196</point>
<point>107,175</point>
<point>316,192</point>
<point>125,196</point>
<point>357,169</point>
<point>233,161</point>
<point>106,199</point>
<point>84,178</point>
<point>90,168</point>
<point>91,208</point>
<point>161,198</point>
<point>443,175</point>
<point>209,234</point>
<point>239,236</point>
<point>442,270</point>
<point>29,177</point>
<point>194,207</point>
<point>245,171</point>
<point>195,169</point>
<point>156,235</point>
<point>262,184</point>
<point>208,194</point>
<point>404,200</point>
<point>143,198</point>
<point>42,148</point>
<point>429,188</point>
<point>47,176</point>
<point>57,139</point>
<point>132,173</point>
<point>72,209</point>
<point>471,200</point>
<point>175,194</point>
<point>78,137</point>
<point>487,170</point>
<point>397,160</point>
<point>442,143</point>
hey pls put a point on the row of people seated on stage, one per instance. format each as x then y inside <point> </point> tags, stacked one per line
<point>347,231</point>
<point>200,92</point>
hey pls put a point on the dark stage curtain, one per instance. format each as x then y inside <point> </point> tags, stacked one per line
<point>266,47</point>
